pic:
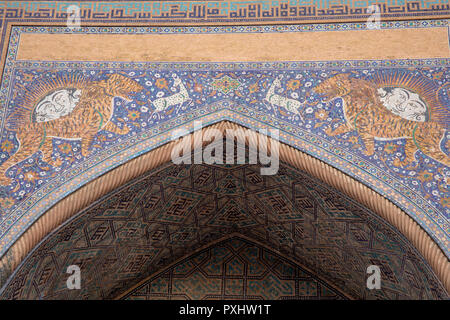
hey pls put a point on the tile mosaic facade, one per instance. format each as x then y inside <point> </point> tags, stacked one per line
<point>408,165</point>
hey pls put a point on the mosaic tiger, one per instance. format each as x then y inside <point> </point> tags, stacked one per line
<point>92,113</point>
<point>364,113</point>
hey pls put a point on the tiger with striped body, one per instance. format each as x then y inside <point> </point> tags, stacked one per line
<point>92,113</point>
<point>364,113</point>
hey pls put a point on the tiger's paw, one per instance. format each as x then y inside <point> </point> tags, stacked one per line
<point>398,163</point>
<point>85,152</point>
<point>57,162</point>
<point>120,130</point>
<point>124,130</point>
<point>329,131</point>
<point>5,181</point>
<point>53,163</point>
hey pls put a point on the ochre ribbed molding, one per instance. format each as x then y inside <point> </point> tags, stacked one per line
<point>134,168</point>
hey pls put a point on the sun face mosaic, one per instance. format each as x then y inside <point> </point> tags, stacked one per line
<point>384,123</point>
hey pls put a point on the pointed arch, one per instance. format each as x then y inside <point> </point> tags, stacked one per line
<point>103,184</point>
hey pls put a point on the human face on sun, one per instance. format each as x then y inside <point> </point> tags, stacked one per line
<point>57,104</point>
<point>404,103</point>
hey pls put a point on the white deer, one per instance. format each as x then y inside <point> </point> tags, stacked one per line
<point>278,100</point>
<point>178,98</point>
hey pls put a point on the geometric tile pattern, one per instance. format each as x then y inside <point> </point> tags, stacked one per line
<point>142,227</point>
<point>234,269</point>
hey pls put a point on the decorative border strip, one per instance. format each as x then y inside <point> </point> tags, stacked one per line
<point>355,26</point>
<point>235,66</point>
<point>224,11</point>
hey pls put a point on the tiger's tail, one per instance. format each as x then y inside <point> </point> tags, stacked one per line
<point>428,140</point>
<point>19,119</point>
